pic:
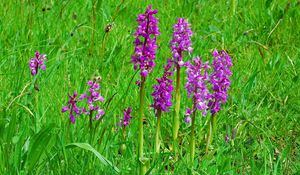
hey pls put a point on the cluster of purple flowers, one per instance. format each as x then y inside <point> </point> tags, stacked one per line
<point>219,80</point>
<point>181,40</point>
<point>143,58</point>
<point>36,63</point>
<point>92,97</point>
<point>196,88</point>
<point>163,90</point>
<point>145,42</point>
<point>126,118</point>
<point>72,106</point>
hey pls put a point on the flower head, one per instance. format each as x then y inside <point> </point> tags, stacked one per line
<point>163,90</point>
<point>93,97</point>
<point>196,88</point>
<point>187,120</point>
<point>181,40</point>
<point>145,42</point>
<point>127,117</point>
<point>74,110</point>
<point>219,80</point>
<point>36,63</point>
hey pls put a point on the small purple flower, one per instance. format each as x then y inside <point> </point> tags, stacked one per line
<point>36,63</point>
<point>126,118</point>
<point>219,80</point>
<point>226,138</point>
<point>93,97</point>
<point>196,88</point>
<point>163,90</point>
<point>74,110</point>
<point>229,137</point>
<point>188,112</point>
<point>145,42</point>
<point>181,40</point>
<point>188,120</point>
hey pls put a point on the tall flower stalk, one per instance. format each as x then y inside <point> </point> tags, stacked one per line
<point>145,53</point>
<point>162,99</point>
<point>220,84</point>
<point>180,43</point>
<point>197,90</point>
<point>35,64</point>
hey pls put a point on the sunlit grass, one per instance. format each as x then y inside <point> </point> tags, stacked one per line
<point>263,106</point>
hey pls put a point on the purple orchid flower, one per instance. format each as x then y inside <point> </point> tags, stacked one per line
<point>145,42</point>
<point>163,90</point>
<point>220,80</point>
<point>36,63</point>
<point>74,110</point>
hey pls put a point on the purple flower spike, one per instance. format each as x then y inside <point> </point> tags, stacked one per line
<point>74,110</point>
<point>145,42</point>
<point>36,63</point>
<point>181,40</point>
<point>93,97</point>
<point>219,80</point>
<point>126,118</point>
<point>163,90</point>
<point>196,77</point>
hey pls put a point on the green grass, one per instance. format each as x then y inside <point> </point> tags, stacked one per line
<point>264,100</point>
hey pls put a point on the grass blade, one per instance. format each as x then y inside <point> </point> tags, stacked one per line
<point>88,147</point>
<point>39,143</point>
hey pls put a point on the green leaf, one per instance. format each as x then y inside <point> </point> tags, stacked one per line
<point>88,147</point>
<point>39,143</point>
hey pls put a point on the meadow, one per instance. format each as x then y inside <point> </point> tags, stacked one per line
<point>88,39</point>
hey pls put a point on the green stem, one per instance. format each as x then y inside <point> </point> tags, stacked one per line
<point>91,120</point>
<point>211,131</point>
<point>36,120</point>
<point>214,124</point>
<point>123,146</point>
<point>177,107</point>
<point>233,6</point>
<point>192,139</point>
<point>157,136</point>
<point>141,130</point>
<point>91,126</point>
